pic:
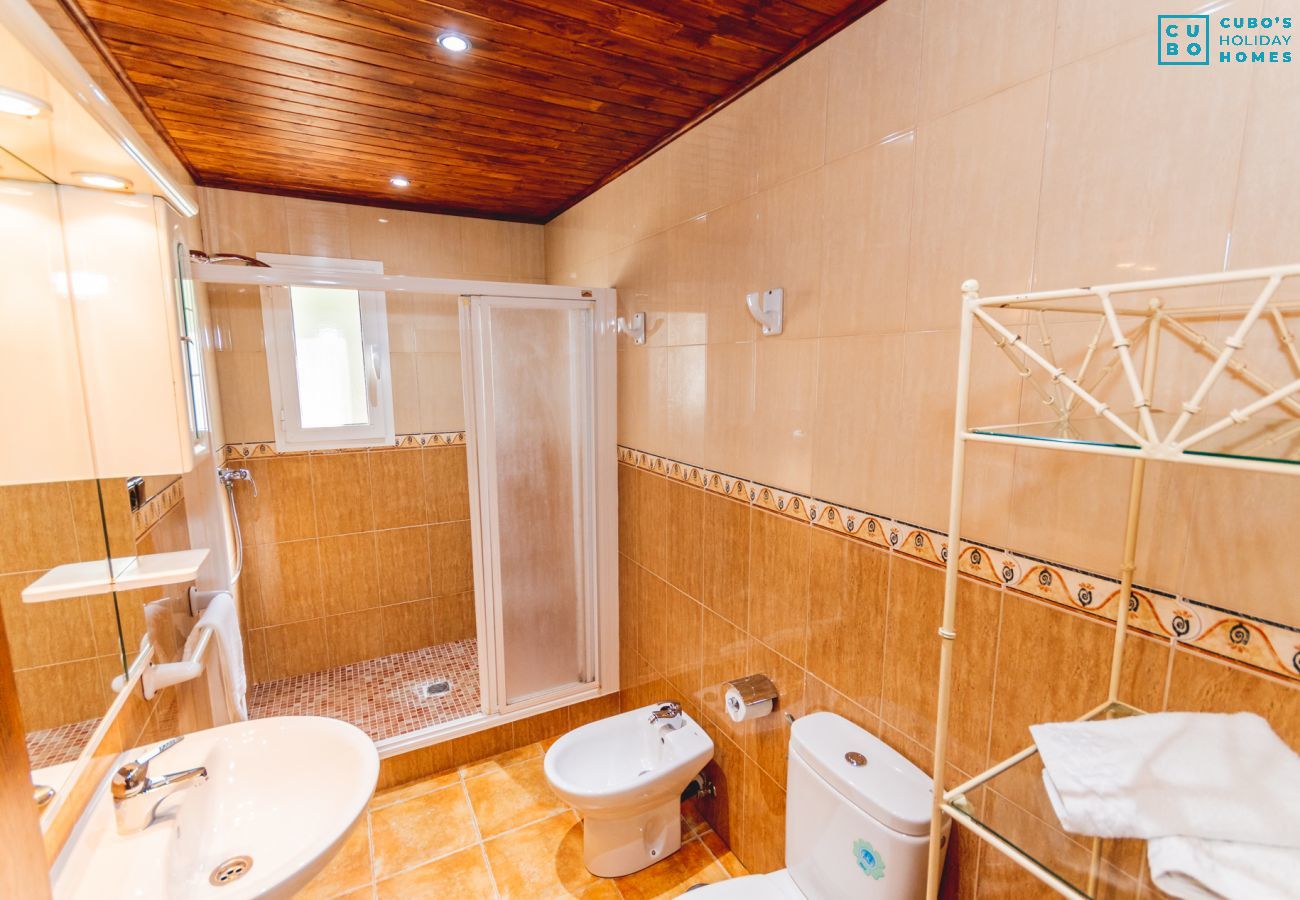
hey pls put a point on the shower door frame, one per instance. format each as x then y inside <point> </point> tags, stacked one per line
<point>599,426</point>
<point>605,446</point>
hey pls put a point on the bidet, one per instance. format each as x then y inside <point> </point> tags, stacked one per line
<point>625,775</point>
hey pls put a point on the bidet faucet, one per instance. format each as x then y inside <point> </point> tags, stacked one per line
<point>136,796</point>
<point>668,713</point>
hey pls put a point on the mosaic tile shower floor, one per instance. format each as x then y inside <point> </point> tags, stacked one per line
<point>380,696</point>
<point>59,745</point>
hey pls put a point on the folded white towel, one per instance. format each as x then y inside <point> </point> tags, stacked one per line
<point>1217,776</point>
<point>1195,868</point>
<point>222,618</point>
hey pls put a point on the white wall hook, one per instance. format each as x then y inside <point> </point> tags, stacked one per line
<point>633,327</point>
<point>768,309</point>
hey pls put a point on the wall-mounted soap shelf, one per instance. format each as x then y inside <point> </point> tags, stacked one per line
<point>123,573</point>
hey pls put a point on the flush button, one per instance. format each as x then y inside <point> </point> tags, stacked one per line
<point>855,758</point>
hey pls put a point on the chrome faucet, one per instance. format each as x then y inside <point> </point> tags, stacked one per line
<point>228,477</point>
<point>669,714</point>
<point>136,796</point>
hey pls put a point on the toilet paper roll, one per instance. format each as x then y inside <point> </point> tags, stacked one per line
<point>739,710</point>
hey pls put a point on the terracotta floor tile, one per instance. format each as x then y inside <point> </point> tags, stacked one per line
<point>461,875</point>
<point>722,853</point>
<point>691,865</point>
<point>507,798</point>
<point>348,870</point>
<point>413,789</point>
<point>420,829</point>
<point>501,760</point>
<point>542,860</point>
<point>692,821</point>
<point>364,893</point>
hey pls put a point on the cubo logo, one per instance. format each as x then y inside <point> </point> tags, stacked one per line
<point>1183,40</point>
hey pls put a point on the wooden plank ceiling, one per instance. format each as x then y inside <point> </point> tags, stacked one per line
<point>330,98</point>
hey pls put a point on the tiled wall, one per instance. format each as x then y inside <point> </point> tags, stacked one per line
<point>354,555</point>
<point>423,329</point>
<point>713,587</point>
<point>65,652</point>
<point>357,555</point>
<point>1032,145</point>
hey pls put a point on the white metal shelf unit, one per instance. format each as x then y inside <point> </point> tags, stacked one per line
<point>1083,422</point>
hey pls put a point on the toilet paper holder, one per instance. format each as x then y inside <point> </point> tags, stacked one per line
<point>753,690</point>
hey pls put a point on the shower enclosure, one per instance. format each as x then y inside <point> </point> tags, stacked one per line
<point>537,394</point>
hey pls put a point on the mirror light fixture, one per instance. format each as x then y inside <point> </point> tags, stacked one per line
<point>453,42</point>
<point>399,181</point>
<point>16,103</point>
<point>102,180</point>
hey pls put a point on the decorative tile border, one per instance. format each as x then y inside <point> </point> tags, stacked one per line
<point>261,450</point>
<point>1263,645</point>
<point>156,507</point>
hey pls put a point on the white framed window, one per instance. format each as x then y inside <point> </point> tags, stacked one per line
<point>327,359</point>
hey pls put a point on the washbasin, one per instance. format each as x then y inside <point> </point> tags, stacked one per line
<point>281,796</point>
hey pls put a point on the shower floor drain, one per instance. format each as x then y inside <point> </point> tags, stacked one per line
<point>231,870</point>
<point>430,689</point>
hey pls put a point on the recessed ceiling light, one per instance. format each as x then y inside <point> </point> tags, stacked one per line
<point>453,42</point>
<point>102,180</point>
<point>398,181</point>
<point>16,103</point>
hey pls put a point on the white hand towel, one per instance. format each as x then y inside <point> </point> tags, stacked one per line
<point>222,618</point>
<point>1194,868</point>
<point>1217,776</point>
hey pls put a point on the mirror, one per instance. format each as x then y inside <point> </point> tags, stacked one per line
<point>66,649</point>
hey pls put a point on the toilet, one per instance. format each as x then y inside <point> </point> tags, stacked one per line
<point>857,821</point>
<point>625,775</point>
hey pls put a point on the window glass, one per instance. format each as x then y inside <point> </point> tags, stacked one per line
<point>329,356</point>
<point>191,356</point>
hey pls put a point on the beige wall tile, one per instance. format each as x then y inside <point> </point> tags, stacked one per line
<point>1120,153</point>
<point>976,202</point>
<point>972,50</point>
<point>797,101</point>
<point>859,407</point>
<point>442,406</point>
<point>927,392</point>
<point>875,77</point>
<point>868,203</point>
<point>782,432</point>
<point>317,228</point>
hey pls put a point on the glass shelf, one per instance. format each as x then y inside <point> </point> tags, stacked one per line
<point>1008,807</point>
<point>1272,440</point>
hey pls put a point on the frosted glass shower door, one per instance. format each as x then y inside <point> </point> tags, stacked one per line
<point>532,398</point>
